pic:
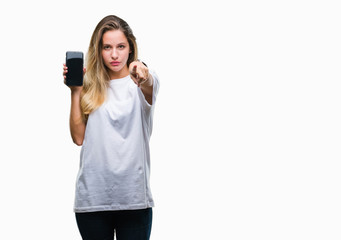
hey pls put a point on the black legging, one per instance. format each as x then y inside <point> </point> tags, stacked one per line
<point>128,224</point>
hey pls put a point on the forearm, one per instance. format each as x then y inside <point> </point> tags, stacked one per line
<point>147,89</point>
<point>77,123</point>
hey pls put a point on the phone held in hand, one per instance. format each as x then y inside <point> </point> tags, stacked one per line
<point>74,63</point>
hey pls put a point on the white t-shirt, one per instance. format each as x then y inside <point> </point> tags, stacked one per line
<point>115,160</point>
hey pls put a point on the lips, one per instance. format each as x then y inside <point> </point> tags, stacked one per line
<point>114,63</point>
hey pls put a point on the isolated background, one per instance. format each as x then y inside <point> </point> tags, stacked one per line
<point>246,140</point>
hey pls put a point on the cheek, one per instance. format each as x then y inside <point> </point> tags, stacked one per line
<point>104,55</point>
<point>105,59</point>
<point>127,54</point>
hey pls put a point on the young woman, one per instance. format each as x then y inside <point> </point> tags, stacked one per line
<point>112,117</point>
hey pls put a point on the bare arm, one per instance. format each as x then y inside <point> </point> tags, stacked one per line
<point>77,123</point>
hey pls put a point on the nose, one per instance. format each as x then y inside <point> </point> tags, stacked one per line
<point>114,54</point>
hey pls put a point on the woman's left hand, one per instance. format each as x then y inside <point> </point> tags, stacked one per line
<point>139,73</point>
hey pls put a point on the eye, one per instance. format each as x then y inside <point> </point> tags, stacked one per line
<point>106,47</point>
<point>121,46</point>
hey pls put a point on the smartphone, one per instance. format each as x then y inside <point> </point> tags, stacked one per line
<point>74,62</point>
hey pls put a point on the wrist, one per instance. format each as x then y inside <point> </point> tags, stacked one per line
<point>76,91</point>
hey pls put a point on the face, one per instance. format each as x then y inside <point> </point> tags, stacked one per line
<point>115,53</point>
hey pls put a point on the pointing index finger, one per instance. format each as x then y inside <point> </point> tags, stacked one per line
<point>133,72</point>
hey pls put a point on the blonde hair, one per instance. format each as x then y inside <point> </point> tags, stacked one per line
<point>97,78</point>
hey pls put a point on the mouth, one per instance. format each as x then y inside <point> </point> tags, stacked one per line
<point>114,63</point>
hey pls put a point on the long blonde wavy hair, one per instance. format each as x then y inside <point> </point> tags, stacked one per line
<point>96,78</point>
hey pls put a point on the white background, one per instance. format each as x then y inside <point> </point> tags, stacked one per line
<point>246,139</point>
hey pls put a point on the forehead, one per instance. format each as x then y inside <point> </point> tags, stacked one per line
<point>114,37</point>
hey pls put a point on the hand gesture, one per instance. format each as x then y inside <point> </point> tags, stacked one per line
<point>139,73</point>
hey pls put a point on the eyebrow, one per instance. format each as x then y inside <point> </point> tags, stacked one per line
<point>122,43</point>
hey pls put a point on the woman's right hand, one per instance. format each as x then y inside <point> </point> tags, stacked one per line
<point>73,88</point>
